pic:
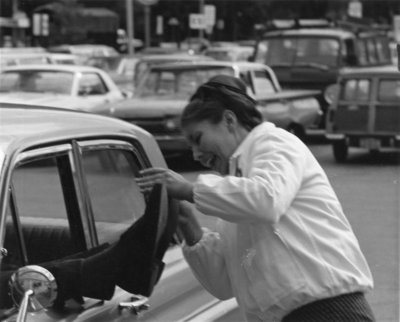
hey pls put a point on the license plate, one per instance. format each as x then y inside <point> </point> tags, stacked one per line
<point>371,144</point>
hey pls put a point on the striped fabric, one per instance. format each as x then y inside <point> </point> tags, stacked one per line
<point>352,307</point>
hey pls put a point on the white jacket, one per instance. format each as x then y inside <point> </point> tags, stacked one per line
<point>284,240</point>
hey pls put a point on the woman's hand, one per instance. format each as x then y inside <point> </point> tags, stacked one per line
<point>188,225</point>
<point>177,186</point>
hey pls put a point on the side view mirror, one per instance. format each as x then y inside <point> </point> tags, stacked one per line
<point>331,93</point>
<point>32,289</point>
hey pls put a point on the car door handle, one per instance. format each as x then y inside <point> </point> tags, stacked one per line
<point>137,304</point>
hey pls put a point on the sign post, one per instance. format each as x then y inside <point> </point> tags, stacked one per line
<point>197,21</point>
<point>40,26</point>
<point>147,14</point>
<point>396,28</point>
<point>355,9</point>
<point>130,25</point>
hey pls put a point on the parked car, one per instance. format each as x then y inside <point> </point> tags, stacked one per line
<point>84,51</point>
<point>68,86</point>
<point>120,68</point>
<point>308,57</point>
<point>147,61</point>
<point>11,58</point>
<point>67,184</point>
<point>230,53</point>
<point>164,91</point>
<point>365,111</point>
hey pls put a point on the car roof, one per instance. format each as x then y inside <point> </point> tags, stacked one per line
<point>27,125</point>
<point>207,64</point>
<point>373,70</point>
<point>313,32</point>
<point>59,67</point>
<point>176,56</point>
<point>230,48</point>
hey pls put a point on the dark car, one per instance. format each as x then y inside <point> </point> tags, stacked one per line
<point>365,112</point>
<point>164,91</point>
<point>67,185</point>
<point>148,60</point>
<point>312,58</point>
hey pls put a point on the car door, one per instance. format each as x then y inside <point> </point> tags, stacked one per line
<point>353,113</point>
<point>68,198</point>
<point>271,104</point>
<point>93,89</point>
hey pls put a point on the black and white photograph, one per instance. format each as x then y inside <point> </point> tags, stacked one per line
<point>200,160</point>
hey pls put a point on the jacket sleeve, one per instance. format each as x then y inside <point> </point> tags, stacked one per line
<point>206,259</point>
<point>272,176</point>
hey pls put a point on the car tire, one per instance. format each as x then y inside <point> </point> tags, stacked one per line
<point>340,150</point>
<point>297,130</point>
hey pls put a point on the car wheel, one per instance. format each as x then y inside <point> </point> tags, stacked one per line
<point>297,130</point>
<point>340,151</point>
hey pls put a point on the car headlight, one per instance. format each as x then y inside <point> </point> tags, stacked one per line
<point>331,93</point>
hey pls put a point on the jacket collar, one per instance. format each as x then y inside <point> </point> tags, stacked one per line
<point>234,166</point>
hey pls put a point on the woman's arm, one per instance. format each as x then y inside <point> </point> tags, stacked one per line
<point>188,225</point>
<point>204,253</point>
<point>178,187</point>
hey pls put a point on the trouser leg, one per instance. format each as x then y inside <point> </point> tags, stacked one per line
<point>94,276</point>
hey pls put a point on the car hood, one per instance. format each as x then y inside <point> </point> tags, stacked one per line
<point>53,100</point>
<point>145,108</point>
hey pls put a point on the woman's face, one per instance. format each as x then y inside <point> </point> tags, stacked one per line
<point>212,144</point>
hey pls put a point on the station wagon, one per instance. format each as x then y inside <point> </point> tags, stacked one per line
<point>365,111</point>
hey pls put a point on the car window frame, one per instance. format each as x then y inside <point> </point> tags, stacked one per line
<point>90,145</point>
<point>73,151</point>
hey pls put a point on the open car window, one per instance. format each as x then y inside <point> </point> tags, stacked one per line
<point>116,200</point>
<point>65,200</point>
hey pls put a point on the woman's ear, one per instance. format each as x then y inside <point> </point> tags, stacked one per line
<point>230,119</point>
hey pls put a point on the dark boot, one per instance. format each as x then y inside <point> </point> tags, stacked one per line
<point>93,276</point>
<point>143,245</point>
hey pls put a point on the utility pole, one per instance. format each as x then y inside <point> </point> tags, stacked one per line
<point>130,25</point>
<point>15,33</point>
<point>201,11</point>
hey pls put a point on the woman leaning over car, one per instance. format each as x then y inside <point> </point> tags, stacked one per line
<point>283,246</point>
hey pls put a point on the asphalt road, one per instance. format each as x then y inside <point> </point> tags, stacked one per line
<point>368,187</point>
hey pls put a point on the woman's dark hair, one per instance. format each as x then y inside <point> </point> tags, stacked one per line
<point>222,93</point>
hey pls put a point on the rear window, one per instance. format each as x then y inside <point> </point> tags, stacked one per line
<point>373,50</point>
<point>177,84</point>
<point>37,81</point>
<point>292,51</point>
<point>389,90</point>
<point>356,90</point>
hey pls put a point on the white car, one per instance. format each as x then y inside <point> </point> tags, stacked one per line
<point>66,86</point>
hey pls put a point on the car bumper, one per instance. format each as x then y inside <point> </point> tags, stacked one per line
<point>366,141</point>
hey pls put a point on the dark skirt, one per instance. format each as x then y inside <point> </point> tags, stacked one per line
<point>352,307</point>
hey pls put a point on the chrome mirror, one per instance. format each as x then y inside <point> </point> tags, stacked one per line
<point>32,289</point>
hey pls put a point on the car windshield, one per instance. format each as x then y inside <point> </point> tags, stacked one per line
<point>176,84</point>
<point>296,51</point>
<point>37,81</point>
